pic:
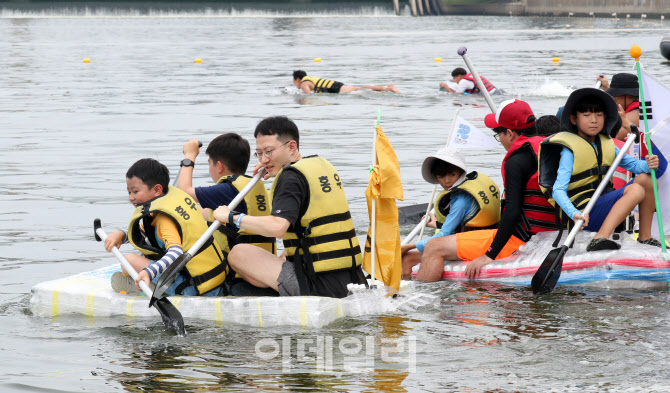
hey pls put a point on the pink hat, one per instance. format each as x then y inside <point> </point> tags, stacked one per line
<point>512,114</point>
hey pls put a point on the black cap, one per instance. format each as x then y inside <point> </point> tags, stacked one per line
<point>624,84</point>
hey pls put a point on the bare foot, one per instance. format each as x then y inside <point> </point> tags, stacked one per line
<point>391,87</point>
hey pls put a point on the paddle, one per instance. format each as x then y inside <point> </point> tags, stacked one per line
<point>172,318</point>
<point>176,178</point>
<point>166,278</point>
<point>463,52</point>
<point>548,273</point>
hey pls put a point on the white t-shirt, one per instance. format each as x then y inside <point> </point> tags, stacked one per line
<point>465,84</point>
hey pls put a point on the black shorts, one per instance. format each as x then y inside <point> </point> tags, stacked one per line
<point>335,88</point>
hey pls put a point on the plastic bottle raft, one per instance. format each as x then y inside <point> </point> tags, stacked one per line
<point>91,294</point>
<point>633,266</point>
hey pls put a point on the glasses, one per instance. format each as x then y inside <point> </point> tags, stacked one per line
<point>268,153</point>
<point>496,137</point>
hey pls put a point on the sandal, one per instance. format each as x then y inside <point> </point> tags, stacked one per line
<point>602,244</point>
<point>650,242</point>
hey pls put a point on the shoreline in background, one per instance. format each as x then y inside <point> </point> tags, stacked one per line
<point>567,8</point>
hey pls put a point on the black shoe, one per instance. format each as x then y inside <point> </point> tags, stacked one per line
<point>602,244</point>
<point>650,242</point>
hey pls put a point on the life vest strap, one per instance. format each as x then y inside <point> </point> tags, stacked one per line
<point>589,173</point>
<point>328,220</point>
<point>333,237</point>
<point>538,208</point>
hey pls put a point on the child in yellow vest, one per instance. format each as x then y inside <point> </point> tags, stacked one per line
<point>165,222</point>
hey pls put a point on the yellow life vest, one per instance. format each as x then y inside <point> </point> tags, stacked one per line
<point>324,234</point>
<point>320,85</point>
<point>589,167</point>
<point>207,269</point>
<point>258,204</point>
<point>485,209</point>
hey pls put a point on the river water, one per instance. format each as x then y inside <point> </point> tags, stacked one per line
<point>71,129</point>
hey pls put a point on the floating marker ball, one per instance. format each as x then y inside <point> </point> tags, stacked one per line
<point>438,59</point>
<point>555,59</point>
<point>635,51</point>
<point>317,59</point>
<point>87,60</point>
<point>198,60</point>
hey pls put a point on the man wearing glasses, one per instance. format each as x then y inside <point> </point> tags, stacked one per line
<point>309,211</point>
<point>526,211</point>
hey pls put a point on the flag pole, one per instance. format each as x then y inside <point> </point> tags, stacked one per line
<point>636,52</point>
<point>432,196</point>
<point>373,214</point>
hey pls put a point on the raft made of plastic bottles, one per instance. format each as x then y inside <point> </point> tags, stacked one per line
<point>633,266</point>
<point>90,294</point>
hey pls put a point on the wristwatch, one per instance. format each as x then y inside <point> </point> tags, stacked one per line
<point>187,162</point>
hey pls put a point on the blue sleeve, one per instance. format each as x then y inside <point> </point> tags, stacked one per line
<point>218,195</point>
<point>460,206</point>
<point>560,190</point>
<point>632,164</point>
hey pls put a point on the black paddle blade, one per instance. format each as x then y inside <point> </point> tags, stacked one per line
<point>549,272</point>
<point>167,277</point>
<point>172,318</point>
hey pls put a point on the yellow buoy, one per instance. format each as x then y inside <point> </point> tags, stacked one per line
<point>87,60</point>
<point>317,59</point>
<point>635,52</point>
<point>438,59</point>
<point>198,60</point>
<point>555,59</point>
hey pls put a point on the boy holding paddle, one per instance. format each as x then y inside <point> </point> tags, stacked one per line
<point>228,158</point>
<point>526,211</point>
<point>469,201</point>
<point>573,163</point>
<point>166,220</point>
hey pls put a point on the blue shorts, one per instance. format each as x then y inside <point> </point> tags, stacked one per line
<point>603,207</point>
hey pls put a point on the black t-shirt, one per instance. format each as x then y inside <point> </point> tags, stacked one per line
<point>290,201</point>
<point>518,170</point>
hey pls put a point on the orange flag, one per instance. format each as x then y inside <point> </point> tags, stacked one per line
<point>384,187</point>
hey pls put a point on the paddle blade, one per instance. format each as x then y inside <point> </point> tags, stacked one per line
<point>549,272</point>
<point>167,277</point>
<point>172,318</point>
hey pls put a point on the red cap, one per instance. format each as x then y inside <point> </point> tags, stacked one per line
<point>512,114</point>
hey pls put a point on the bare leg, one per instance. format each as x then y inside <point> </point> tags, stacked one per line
<point>436,252</point>
<point>647,206</point>
<point>138,262</point>
<point>632,195</point>
<point>389,87</point>
<point>257,266</point>
<point>409,260</point>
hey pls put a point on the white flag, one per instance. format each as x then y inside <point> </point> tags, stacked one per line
<point>657,102</point>
<point>465,135</point>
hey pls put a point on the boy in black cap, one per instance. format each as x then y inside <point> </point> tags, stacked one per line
<point>625,91</point>
<point>572,164</point>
